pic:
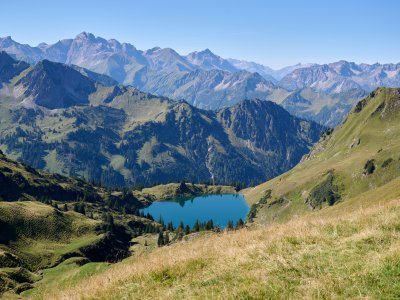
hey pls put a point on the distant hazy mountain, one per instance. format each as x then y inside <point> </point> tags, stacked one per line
<point>343,76</point>
<point>326,93</point>
<point>327,109</point>
<point>202,78</point>
<point>58,118</point>
<point>212,89</point>
<point>206,60</point>
<point>167,60</point>
<point>208,81</point>
<point>267,72</point>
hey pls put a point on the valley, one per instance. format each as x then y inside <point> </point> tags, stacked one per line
<point>311,224</point>
<point>199,150</point>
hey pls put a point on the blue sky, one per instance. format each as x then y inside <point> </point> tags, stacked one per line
<point>275,33</point>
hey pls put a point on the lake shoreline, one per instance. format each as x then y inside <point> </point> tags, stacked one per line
<point>172,191</point>
<point>218,208</point>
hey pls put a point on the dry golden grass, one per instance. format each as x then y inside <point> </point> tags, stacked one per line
<point>355,254</point>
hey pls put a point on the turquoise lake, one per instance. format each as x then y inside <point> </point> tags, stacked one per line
<point>219,208</point>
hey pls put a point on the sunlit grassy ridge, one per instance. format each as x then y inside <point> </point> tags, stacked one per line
<point>41,235</point>
<point>373,133</point>
<point>35,236</point>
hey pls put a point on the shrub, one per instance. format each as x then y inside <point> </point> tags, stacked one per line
<point>369,167</point>
<point>326,191</point>
<point>254,207</point>
<point>387,162</point>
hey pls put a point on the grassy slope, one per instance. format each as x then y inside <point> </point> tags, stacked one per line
<point>40,237</point>
<point>43,235</point>
<point>321,255</point>
<point>378,134</point>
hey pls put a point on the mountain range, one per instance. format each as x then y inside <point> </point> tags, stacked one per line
<point>72,121</point>
<point>322,93</point>
<point>328,197</point>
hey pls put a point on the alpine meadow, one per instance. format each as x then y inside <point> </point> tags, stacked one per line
<point>136,163</point>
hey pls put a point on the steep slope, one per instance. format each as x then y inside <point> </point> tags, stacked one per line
<point>58,119</point>
<point>359,156</point>
<point>267,134</point>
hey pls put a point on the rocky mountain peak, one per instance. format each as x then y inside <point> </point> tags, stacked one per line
<point>6,41</point>
<point>54,85</point>
<point>207,60</point>
<point>85,36</point>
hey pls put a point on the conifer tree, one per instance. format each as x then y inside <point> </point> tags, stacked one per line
<point>160,241</point>
<point>239,224</point>
<point>196,226</point>
<point>209,225</point>
<point>161,221</point>
<point>181,226</point>
<point>110,223</point>
<point>170,226</point>
<point>187,229</point>
<point>166,238</point>
<point>229,225</point>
